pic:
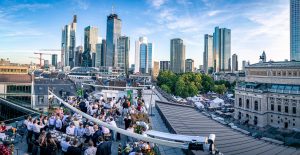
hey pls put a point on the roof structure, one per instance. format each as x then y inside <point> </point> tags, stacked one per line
<point>15,78</point>
<point>188,121</point>
<point>277,64</point>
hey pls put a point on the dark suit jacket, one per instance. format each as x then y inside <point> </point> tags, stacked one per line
<point>104,148</point>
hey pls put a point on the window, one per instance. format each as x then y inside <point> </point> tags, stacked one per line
<point>256,105</point>
<point>271,121</point>
<point>293,124</point>
<point>294,110</point>
<point>286,109</point>
<point>247,104</point>
<point>240,102</point>
<point>272,107</point>
<point>40,99</point>
<point>279,108</point>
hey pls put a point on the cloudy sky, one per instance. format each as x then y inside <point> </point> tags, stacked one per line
<point>29,25</point>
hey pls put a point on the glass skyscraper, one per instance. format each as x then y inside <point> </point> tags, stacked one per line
<point>208,59</point>
<point>123,53</point>
<point>68,43</point>
<point>295,30</point>
<point>113,32</point>
<point>222,49</point>
<point>177,56</point>
<point>143,56</point>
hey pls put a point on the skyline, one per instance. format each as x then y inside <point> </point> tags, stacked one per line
<point>25,27</point>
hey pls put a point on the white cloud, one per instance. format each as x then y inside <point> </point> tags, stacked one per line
<point>157,3</point>
<point>31,7</point>
<point>82,4</point>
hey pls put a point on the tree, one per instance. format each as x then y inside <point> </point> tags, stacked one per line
<point>167,78</point>
<point>207,83</point>
<point>220,89</point>
<point>166,88</point>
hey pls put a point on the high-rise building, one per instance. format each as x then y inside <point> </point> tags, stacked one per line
<point>93,59</point>
<point>103,53</point>
<point>46,64</point>
<point>113,32</point>
<point>78,56</point>
<point>235,66</point>
<point>164,65</point>
<point>177,56</point>
<point>155,70</point>
<point>98,54</point>
<point>208,59</point>
<point>90,41</point>
<point>222,49</point>
<point>143,56</point>
<point>54,60</point>
<point>123,53</point>
<point>189,65</point>
<point>68,43</point>
<point>294,30</point>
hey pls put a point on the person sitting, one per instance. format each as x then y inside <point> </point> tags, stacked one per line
<point>74,149</point>
<point>2,127</point>
<point>65,145</point>
<point>70,129</point>
<point>4,149</point>
<point>91,150</point>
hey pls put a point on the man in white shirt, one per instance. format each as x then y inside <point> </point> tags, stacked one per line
<point>51,122</point>
<point>113,123</point>
<point>29,126</point>
<point>70,129</point>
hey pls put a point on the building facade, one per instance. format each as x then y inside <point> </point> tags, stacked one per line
<point>113,32</point>
<point>235,63</point>
<point>54,60</point>
<point>155,70</point>
<point>164,65</point>
<point>270,95</point>
<point>222,49</point>
<point>189,65</point>
<point>68,44</point>
<point>123,53</point>
<point>90,41</point>
<point>294,30</point>
<point>143,56</point>
<point>78,56</point>
<point>208,59</point>
<point>177,56</point>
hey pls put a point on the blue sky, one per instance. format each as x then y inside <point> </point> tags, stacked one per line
<point>29,25</point>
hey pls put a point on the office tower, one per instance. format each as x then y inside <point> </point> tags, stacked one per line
<point>46,64</point>
<point>123,53</point>
<point>263,57</point>
<point>54,60</point>
<point>164,65</point>
<point>222,49</point>
<point>245,64</point>
<point>155,70</point>
<point>78,56</point>
<point>98,54</point>
<point>113,32</point>
<point>103,53</point>
<point>208,59</point>
<point>143,56</point>
<point>235,66</point>
<point>68,43</point>
<point>189,65</point>
<point>294,30</point>
<point>94,59</point>
<point>90,41</point>
<point>177,56</point>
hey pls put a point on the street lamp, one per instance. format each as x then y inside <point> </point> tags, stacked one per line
<point>151,110</point>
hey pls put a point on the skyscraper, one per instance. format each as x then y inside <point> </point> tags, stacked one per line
<point>177,56</point>
<point>68,43</point>
<point>78,56</point>
<point>164,65</point>
<point>222,49</point>
<point>294,30</point>
<point>113,32</point>
<point>98,54</point>
<point>54,60</point>
<point>235,66</point>
<point>189,65</point>
<point>123,53</point>
<point>143,56</point>
<point>208,59</point>
<point>90,41</point>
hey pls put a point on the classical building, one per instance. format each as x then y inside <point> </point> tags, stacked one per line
<point>270,95</point>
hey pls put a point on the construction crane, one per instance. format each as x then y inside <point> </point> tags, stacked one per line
<point>41,54</point>
<point>36,58</point>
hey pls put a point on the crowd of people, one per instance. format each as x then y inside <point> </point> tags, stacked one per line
<point>68,133</point>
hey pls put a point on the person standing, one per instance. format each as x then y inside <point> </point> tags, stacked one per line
<point>91,150</point>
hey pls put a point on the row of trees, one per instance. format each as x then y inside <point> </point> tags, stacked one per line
<point>189,84</point>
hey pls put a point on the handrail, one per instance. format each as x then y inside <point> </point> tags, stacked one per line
<point>122,131</point>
